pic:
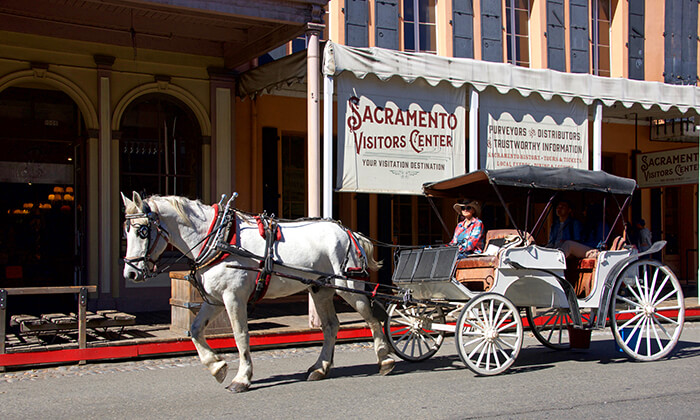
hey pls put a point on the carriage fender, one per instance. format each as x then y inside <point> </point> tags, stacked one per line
<point>613,277</point>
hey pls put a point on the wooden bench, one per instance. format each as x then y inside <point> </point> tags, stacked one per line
<point>61,322</point>
<point>82,291</point>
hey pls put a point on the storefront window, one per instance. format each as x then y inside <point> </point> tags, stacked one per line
<point>600,36</point>
<point>517,23</point>
<point>419,26</point>
<point>160,148</point>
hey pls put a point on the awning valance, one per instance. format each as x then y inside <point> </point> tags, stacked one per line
<point>631,94</point>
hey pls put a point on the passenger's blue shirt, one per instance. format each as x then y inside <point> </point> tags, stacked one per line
<point>569,230</point>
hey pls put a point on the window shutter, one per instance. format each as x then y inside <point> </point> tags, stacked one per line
<point>672,48</point>
<point>463,28</point>
<point>556,54</point>
<point>689,43</point>
<point>387,34</point>
<point>636,40</point>
<point>356,17</point>
<point>491,31</point>
<point>578,18</point>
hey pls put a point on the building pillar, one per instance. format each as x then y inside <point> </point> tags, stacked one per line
<point>223,158</point>
<point>107,242</point>
<point>313,119</point>
<point>313,124</point>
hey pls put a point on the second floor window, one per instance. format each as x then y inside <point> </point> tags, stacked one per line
<point>419,26</point>
<point>517,22</point>
<point>600,37</point>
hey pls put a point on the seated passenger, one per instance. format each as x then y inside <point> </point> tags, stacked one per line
<point>565,233</point>
<point>593,234</point>
<point>469,230</point>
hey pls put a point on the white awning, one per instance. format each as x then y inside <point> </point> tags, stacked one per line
<point>621,97</point>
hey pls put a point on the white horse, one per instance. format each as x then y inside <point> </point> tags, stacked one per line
<point>321,245</point>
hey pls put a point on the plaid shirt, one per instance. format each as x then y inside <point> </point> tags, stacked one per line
<point>468,235</point>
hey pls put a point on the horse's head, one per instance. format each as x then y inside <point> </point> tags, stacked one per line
<point>146,239</point>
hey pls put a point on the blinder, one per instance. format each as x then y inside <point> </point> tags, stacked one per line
<point>143,231</point>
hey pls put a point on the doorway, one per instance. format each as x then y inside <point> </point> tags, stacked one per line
<point>42,199</point>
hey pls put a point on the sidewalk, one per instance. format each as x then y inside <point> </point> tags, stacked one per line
<point>271,325</point>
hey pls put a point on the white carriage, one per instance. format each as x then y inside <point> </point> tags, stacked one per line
<point>480,298</point>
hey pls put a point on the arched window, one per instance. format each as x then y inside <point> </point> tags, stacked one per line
<point>160,149</point>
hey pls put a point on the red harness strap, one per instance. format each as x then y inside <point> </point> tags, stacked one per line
<point>265,229</point>
<point>231,239</point>
<point>213,223</point>
<point>355,272</point>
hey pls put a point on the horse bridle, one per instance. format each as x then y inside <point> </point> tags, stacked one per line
<point>144,231</point>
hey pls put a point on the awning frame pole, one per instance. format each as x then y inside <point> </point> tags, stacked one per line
<point>598,137</point>
<point>328,147</point>
<point>473,129</point>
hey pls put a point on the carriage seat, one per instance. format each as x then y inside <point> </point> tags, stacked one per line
<point>500,237</point>
<point>580,273</point>
<point>476,272</point>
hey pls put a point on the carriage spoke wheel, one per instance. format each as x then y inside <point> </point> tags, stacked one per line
<point>489,334</point>
<point>641,329</point>
<point>550,326</point>
<point>408,329</point>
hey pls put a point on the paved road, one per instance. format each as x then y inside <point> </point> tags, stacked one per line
<point>543,384</point>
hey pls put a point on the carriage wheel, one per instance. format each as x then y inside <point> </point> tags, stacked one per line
<point>408,330</point>
<point>489,334</point>
<point>551,326</point>
<point>644,289</point>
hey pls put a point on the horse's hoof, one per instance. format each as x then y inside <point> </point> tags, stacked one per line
<point>316,375</point>
<point>386,366</point>
<point>220,371</point>
<point>238,387</point>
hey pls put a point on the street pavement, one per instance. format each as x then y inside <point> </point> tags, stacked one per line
<point>595,383</point>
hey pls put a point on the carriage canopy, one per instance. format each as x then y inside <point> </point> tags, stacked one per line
<point>480,183</point>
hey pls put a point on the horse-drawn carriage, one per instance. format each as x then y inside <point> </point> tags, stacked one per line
<point>486,292</point>
<point>479,298</point>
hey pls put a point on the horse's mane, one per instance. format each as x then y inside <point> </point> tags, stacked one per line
<point>178,204</point>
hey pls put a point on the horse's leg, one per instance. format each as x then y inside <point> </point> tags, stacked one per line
<point>381,347</point>
<point>211,360</point>
<point>236,306</point>
<point>323,300</point>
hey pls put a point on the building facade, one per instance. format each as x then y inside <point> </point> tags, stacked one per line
<point>100,97</point>
<point>635,40</point>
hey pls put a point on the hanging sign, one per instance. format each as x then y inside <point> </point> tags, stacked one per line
<point>669,167</point>
<point>531,131</point>
<point>394,136</point>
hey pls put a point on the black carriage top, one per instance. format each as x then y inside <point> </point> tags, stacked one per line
<point>481,183</point>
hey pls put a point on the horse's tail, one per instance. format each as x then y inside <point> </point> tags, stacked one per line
<point>368,247</point>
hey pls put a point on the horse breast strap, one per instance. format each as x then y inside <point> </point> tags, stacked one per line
<point>270,231</point>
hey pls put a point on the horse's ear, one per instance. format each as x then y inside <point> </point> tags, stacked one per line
<point>125,200</point>
<point>137,200</point>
